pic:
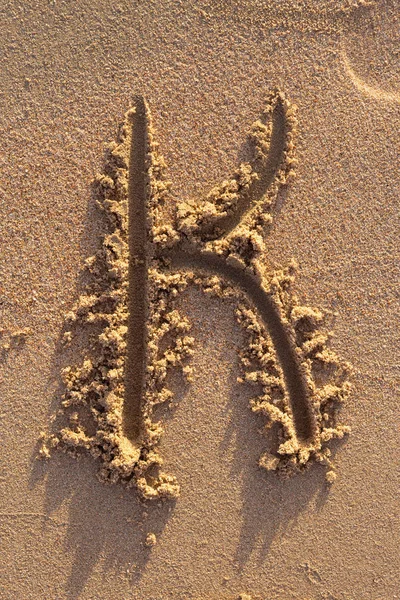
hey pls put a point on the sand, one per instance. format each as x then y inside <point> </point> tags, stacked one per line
<point>209,522</point>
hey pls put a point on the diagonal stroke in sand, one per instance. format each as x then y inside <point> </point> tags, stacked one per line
<point>145,262</point>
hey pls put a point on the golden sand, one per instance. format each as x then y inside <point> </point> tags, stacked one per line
<point>138,274</point>
<point>235,261</point>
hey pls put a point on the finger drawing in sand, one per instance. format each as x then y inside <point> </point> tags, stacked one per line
<point>144,264</point>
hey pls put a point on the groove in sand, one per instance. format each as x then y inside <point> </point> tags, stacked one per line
<point>138,268</point>
<point>303,418</point>
<point>259,187</point>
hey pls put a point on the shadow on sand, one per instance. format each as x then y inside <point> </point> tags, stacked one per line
<point>271,505</point>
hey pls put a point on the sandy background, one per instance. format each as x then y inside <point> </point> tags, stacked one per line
<point>69,72</point>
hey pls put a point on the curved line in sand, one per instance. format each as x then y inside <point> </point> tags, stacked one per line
<point>373,92</point>
<point>259,187</point>
<point>295,379</point>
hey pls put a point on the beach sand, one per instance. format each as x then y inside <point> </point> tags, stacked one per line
<point>70,71</point>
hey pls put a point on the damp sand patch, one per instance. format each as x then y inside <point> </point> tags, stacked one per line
<point>145,263</point>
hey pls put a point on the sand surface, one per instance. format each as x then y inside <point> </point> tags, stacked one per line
<point>70,71</point>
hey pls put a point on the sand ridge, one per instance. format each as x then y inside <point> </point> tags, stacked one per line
<point>143,266</point>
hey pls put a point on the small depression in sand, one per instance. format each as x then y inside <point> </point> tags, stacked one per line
<point>145,262</point>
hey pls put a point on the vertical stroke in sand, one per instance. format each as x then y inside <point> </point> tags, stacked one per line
<point>137,274</point>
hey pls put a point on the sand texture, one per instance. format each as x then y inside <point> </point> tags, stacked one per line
<point>199,300</point>
<point>121,382</point>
